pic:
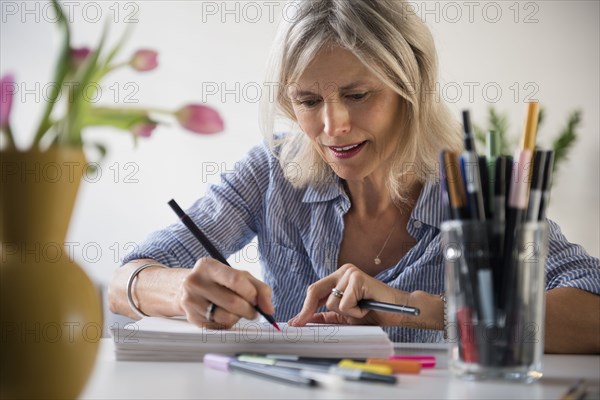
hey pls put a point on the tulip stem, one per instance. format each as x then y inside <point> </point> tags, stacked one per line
<point>10,141</point>
<point>150,110</point>
<point>160,111</point>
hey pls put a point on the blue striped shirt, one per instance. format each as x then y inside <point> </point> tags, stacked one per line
<point>299,234</point>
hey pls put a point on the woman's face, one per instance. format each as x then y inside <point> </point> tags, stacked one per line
<point>353,119</point>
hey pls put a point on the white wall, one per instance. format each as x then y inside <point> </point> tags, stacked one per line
<point>556,53</point>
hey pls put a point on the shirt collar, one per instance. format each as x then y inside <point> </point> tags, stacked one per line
<point>428,209</point>
<point>326,191</point>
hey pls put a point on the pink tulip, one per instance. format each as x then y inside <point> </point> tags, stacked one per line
<point>143,129</point>
<point>79,55</point>
<point>200,119</point>
<point>144,60</point>
<point>8,88</point>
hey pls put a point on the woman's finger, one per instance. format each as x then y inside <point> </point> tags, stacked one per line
<point>201,285</point>
<point>327,317</point>
<point>337,292</point>
<point>317,295</point>
<point>356,286</point>
<point>264,298</point>
<point>240,282</point>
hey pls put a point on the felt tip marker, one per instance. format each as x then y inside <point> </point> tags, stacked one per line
<point>381,369</point>
<point>536,190</point>
<point>398,366</point>
<point>348,372</point>
<point>471,174</point>
<point>456,189</point>
<point>226,363</point>
<point>492,151</point>
<point>546,184</point>
<point>426,361</point>
<point>444,196</point>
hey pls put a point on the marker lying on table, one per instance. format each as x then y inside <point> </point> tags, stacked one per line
<point>426,361</point>
<point>212,250</point>
<point>366,367</point>
<point>226,363</point>
<point>353,371</point>
<point>398,366</point>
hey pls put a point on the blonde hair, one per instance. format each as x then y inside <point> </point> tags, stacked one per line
<point>397,47</point>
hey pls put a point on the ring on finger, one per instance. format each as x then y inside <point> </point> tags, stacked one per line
<point>210,311</point>
<point>337,293</point>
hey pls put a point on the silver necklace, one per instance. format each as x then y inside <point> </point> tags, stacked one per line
<point>377,260</point>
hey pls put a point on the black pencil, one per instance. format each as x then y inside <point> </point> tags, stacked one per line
<point>212,250</point>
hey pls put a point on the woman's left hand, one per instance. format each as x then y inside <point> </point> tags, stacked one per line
<point>355,286</point>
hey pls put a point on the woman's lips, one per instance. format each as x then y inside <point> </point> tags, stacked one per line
<point>347,151</point>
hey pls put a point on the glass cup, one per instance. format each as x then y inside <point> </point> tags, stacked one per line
<point>495,287</point>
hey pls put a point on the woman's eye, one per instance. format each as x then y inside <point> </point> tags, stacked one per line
<point>309,102</point>
<point>358,96</point>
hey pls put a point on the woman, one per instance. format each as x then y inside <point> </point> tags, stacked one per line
<point>348,196</point>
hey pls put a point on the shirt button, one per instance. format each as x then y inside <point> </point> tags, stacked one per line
<point>417,224</point>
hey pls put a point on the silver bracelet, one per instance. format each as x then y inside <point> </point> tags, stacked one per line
<point>135,273</point>
<point>445,327</point>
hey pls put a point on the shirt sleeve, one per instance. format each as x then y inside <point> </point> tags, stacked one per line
<point>229,215</point>
<point>569,265</point>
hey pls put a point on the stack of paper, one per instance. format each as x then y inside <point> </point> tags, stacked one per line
<point>164,339</point>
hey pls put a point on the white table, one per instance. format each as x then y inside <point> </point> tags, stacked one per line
<point>113,379</point>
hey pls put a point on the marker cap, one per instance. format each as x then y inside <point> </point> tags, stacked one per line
<point>217,361</point>
<point>376,369</point>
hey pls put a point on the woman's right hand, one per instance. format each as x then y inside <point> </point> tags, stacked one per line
<point>172,292</point>
<point>233,292</point>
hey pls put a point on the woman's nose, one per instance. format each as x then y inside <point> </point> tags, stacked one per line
<point>336,118</point>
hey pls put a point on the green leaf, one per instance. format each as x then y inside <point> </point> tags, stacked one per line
<point>541,117</point>
<point>479,134</point>
<point>563,144</point>
<point>106,66</point>
<point>60,72</point>
<point>118,118</point>
<point>499,123</point>
<point>78,105</point>
<point>118,46</point>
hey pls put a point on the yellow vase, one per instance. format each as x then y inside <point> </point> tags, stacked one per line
<point>51,316</point>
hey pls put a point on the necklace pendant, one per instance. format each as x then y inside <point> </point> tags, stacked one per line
<point>377,261</point>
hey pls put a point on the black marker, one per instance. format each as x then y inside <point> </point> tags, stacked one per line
<point>470,166</point>
<point>537,180</point>
<point>546,184</point>
<point>388,307</point>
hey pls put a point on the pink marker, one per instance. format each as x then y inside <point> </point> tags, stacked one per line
<point>426,361</point>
